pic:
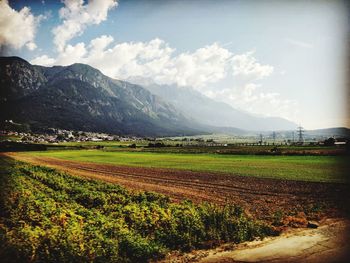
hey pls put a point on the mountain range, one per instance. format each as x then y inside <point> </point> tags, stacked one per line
<point>80,97</point>
<point>214,113</point>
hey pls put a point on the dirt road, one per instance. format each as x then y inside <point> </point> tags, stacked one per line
<point>327,244</point>
<point>261,197</point>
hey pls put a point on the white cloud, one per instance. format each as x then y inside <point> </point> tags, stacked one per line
<point>157,60</point>
<point>43,60</point>
<point>77,16</point>
<point>17,28</point>
<point>100,44</point>
<point>72,54</point>
<point>202,67</point>
<point>212,70</point>
<point>153,59</point>
<point>246,65</point>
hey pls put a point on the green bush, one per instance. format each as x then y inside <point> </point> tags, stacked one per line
<point>48,216</point>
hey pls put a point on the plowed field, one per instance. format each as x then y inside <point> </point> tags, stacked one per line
<point>261,197</point>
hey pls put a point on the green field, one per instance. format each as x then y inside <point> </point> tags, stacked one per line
<point>306,168</point>
<point>104,143</point>
<point>172,146</point>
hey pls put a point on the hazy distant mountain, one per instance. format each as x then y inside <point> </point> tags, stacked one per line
<point>214,113</point>
<point>80,97</point>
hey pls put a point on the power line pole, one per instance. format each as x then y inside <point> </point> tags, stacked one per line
<point>274,137</point>
<point>300,131</point>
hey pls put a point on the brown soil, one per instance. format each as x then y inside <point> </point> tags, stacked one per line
<point>260,197</point>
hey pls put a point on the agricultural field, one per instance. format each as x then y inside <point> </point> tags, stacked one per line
<point>304,168</point>
<point>263,185</point>
<point>50,216</point>
<point>170,146</point>
<point>103,143</point>
<point>135,205</point>
<point>241,150</point>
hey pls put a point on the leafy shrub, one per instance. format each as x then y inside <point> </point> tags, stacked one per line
<point>49,216</point>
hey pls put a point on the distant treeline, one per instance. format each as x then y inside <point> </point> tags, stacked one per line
<point>6,146</point>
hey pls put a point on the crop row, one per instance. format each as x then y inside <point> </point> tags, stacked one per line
<point>49,216</point>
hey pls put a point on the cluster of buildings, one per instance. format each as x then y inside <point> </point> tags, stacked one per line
<point>59,135</point>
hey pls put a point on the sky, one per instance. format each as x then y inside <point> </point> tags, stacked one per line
<point>270,58</point>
